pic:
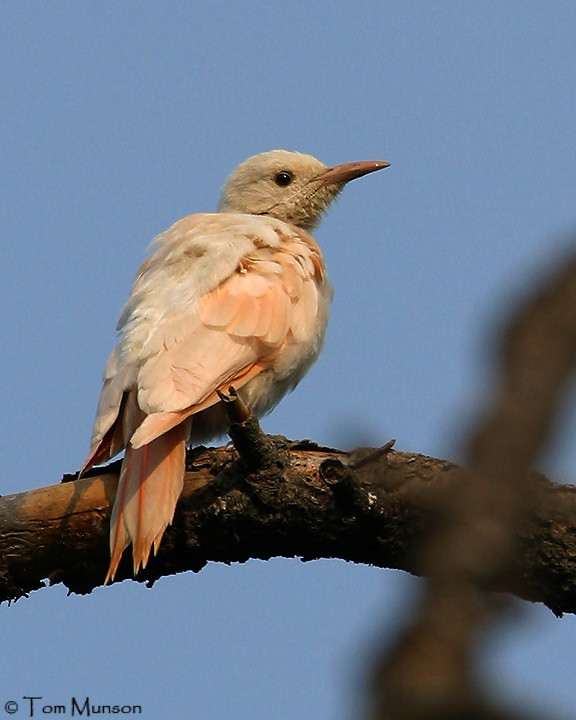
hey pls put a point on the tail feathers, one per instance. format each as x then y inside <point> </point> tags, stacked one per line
<point>150,484</point>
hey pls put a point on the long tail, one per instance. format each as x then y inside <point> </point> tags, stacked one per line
<point>151,481</point>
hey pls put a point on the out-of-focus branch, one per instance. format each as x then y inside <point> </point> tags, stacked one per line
<point>478,542</point>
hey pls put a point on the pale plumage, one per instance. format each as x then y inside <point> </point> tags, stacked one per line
<point>239,297</point>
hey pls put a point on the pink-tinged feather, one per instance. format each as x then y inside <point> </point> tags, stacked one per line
<point>245,321</point>
<point>150,484</point>
<point>265,314</point>
<point>155,424</point>
<point>280,321</point>
<point>218,308</point>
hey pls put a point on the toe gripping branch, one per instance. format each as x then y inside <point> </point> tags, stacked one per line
<point>257,450</point>
<point>236,409</point>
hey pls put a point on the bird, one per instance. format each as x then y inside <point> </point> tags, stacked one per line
<point>236,298</point>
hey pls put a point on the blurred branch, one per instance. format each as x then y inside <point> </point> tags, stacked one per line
<point>483,527</point>
<point>307,502</point>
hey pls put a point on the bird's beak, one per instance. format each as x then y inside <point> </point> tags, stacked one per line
<point>349,171</point>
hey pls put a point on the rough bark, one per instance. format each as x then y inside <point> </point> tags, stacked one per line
<point>281,499</point>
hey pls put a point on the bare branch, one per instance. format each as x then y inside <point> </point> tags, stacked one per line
<point>313,504</point>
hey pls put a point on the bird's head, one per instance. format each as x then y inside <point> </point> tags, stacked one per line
<point>289,186</point>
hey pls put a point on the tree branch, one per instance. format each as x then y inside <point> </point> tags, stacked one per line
<point>305,501</point>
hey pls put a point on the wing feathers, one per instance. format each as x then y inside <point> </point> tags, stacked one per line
<point>157,423</point>
<point>222,299</point>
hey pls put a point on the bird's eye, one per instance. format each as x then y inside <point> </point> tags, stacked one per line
<point>283,178</point>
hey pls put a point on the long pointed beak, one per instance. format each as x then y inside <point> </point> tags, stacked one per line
<point>349,171</point>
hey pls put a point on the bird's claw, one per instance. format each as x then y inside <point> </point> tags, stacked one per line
<point>236,410</point>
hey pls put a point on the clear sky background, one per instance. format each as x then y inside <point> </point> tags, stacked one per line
<point>117,119</point>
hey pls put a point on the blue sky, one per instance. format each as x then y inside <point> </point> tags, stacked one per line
<point>116,119</point>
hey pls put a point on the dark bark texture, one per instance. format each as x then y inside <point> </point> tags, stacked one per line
<point>289,500</point>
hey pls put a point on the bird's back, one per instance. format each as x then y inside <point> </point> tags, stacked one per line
<point>224,299</point>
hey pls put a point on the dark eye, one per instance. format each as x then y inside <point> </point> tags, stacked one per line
<point>283,178</point>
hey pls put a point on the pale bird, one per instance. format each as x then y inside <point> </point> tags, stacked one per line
<point>238,297</point>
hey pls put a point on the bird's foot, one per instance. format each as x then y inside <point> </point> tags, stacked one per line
<point>236,409</point>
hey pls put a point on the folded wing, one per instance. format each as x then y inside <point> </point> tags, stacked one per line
<point>178,349</point>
